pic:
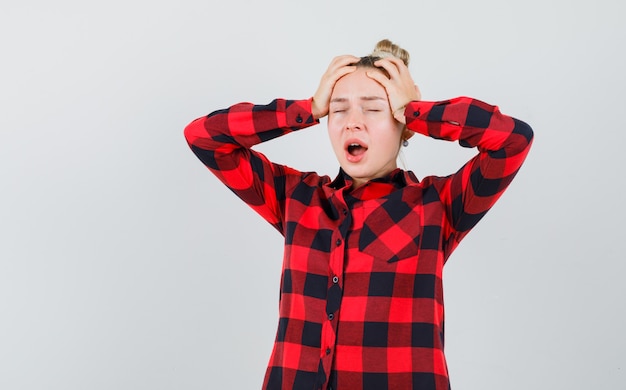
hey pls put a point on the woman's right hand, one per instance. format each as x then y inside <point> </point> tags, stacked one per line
<point>339,67</point>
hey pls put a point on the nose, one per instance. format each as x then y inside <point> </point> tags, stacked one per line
<point>354,121</point>
<point>353,126</point>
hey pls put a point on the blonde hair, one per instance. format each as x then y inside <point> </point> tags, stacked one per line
<point>384,49</point>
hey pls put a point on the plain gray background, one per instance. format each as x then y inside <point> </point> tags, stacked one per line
<point>125,265</point>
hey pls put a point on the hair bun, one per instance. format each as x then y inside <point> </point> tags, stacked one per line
<point>386,48</point>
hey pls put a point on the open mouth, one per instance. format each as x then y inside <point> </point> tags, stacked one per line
<point>355,150</point>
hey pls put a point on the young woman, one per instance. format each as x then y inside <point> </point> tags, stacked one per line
<point>361,301</point>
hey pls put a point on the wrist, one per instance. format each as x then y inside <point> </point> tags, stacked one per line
<point>398,114</point>
<point>316,111</point>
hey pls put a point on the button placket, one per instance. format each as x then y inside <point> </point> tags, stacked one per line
<point>333,299</point>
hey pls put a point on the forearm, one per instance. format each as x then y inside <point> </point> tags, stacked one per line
<point>245,125</point>
<point>471,122</point>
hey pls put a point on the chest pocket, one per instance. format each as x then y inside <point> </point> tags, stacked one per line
<point>391,231</point>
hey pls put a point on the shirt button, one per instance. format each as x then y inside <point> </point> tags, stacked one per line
<point>299,119</point>
<point>331,316</point>
<point>416,113</point>
<point>338,242</point>
<point>345,212</point>
<point>327,351</point>
<point>335,279</point>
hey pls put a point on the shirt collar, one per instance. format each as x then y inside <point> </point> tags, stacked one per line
<point>375,188</point>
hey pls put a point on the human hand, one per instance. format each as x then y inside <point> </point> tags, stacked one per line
<point>339,67</point>
<point>400,88</point>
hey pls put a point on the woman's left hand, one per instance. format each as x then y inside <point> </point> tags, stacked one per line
<point>401,90</point>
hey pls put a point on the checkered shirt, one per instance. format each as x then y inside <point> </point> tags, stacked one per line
<point>361,300</point>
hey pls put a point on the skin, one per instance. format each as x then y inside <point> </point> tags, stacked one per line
<point>365,106</point>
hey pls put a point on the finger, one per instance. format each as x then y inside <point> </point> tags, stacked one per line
<point>344,71</point>
<point>386,83</point>
<point>342,61</point>
<point>379,77</point>
<point>400,65</point>
<point>396,92</point>
<point>398,62</point>
<point>397,70</point>
<point>390,66</point>
<point>344,57</point>
<point>332,78</point>
<point>339,67</point>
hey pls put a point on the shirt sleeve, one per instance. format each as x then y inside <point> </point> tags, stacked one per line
<point>223,139</point>
<point>502,142</point>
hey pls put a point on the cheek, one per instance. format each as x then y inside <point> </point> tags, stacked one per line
<point>390,138</point>
<point>334,121</point>
<point>334,134</point>
<point>332,126</point>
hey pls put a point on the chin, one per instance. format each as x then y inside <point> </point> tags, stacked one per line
<point>355,173</point>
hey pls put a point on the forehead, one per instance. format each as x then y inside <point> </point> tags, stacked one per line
<point>358,85</point>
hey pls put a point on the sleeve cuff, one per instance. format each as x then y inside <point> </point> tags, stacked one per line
<point>298,114</point>
<point>416,113</point>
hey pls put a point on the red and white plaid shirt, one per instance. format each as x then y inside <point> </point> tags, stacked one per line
<point>361,301</point>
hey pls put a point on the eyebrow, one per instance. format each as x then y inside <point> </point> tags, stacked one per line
<point>365,98</point>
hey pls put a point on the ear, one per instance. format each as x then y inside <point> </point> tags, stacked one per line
<point>406,134</point>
